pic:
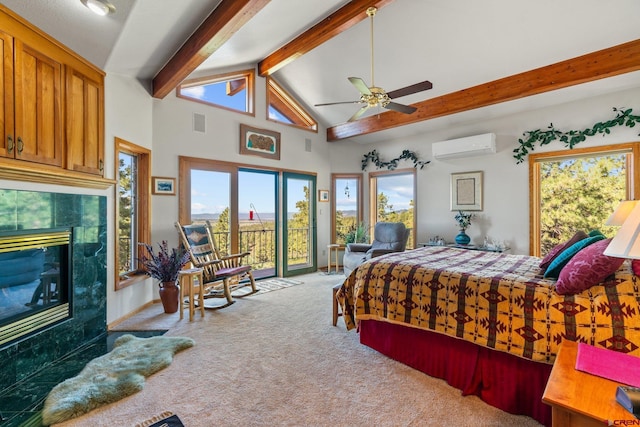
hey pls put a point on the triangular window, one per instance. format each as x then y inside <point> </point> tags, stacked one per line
<point>231,91</point>
<point>282,108</point>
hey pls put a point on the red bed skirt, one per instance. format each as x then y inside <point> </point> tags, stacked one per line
<point>505,381</point>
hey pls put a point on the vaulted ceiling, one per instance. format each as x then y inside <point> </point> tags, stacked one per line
<point>485,59</point>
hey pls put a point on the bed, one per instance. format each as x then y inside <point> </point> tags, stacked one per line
<point>488,323</point>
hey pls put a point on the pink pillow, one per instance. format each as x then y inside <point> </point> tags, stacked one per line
<point>558,249</point>
<point>587,268</point>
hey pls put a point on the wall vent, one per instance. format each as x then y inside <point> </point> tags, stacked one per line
<point>477,145</point>
<point>199,123</point>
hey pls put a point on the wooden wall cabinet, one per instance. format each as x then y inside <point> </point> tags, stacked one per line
<point>38,108</point>
<point>31,104</point>
<point>85,123</point>
<point>51,106</point>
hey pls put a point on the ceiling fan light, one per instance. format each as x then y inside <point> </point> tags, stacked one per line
<point>99,7</point>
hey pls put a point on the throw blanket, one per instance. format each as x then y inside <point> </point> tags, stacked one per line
<point>498,301</point>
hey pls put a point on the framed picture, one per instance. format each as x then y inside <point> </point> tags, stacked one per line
<point>163,186</point>
<point>259,142</point>
<point>323,195</point>
<point>466,191</point>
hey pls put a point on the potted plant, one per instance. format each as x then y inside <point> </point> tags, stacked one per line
<point>357,233</point>
<point>464,221</point>
<point>165,266</point>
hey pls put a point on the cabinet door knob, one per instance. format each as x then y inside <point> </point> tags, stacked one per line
<point>9,143</point>
<point>20,145</point>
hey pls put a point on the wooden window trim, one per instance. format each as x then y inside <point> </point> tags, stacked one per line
<point>144,205</point>
<point>373,199</point>
<point>250,75</point>
<point>633,179</point>
<point>289,107</point>
<point>334,205</point>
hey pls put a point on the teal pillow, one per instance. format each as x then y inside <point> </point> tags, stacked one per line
<point>565,256</point>
<point>593,233</point>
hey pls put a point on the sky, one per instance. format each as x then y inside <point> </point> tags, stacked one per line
<point>210,192</point>
<point>216,93</point>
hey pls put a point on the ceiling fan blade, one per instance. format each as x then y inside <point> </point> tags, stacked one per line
<point>360,85</point>
<point>336,103</point>
<point>400,108</point>
<point>359,113</point>
<point>418,87</point>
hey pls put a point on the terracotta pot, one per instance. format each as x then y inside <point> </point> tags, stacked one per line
<point>170,296</point>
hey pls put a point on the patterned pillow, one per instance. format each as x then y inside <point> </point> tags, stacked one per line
<point>198,239</point>
<point>553,253</point>
<point>565,256</point>
<point>587,268</point>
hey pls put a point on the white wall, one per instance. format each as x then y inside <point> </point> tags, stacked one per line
<point>506,184</point>
<point>128,115</point>
<point>173,136</point>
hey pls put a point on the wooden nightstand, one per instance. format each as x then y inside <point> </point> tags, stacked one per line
<point>579,399</point>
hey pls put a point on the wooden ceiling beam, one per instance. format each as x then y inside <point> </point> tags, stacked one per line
<point>339,21</point>
<point>220,25</point>
<point>613,61</point>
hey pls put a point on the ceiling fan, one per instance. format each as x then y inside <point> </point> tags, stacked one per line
<point>372,96</point>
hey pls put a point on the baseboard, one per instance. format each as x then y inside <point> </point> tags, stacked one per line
<point>116,322</point>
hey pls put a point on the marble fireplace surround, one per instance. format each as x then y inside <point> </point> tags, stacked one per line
<point>86,216</point>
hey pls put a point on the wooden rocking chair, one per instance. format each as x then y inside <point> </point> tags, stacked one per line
<point>222,275</point>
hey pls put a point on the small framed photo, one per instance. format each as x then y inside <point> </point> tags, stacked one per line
<point>259,142</point>
<point>163,186</point>
<point>466,191</point>
<point>323,195</point>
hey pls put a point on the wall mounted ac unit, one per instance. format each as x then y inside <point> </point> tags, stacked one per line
<point>465,147</point>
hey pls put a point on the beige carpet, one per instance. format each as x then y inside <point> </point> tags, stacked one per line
<point>273,359</point>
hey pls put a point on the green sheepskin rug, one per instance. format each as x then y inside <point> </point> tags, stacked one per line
<point>111,377</point>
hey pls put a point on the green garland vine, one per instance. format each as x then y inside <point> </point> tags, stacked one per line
<point>572,137</point>
<point>374,157</point>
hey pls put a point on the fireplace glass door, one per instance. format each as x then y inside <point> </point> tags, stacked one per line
<point>33,280</point>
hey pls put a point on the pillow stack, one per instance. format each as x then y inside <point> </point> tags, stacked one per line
<point>580,263</point>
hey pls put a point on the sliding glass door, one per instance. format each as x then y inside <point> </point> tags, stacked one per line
<point>299,221</point>
<point>258,214</point>
<point>266,212</point>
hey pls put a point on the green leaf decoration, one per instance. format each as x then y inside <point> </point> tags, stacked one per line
<point>374,157</point>
<point>573,137</point>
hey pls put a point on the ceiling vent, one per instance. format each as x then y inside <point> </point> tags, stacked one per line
<point>477,145</point>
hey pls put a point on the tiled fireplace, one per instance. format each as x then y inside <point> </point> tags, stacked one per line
<point>69,298</point>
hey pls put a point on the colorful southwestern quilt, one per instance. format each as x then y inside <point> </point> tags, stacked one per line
<point>499,301</point>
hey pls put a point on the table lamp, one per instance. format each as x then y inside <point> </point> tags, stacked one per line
<point>626,242</point>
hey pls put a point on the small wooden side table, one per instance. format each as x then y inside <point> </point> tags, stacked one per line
<point>579,399</point>
<point>333,248</point>
<point>188,279</point>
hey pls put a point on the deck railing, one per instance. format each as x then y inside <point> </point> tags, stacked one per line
<point>262,243</point>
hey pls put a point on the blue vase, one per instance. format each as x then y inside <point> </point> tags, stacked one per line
<point>462,238</point>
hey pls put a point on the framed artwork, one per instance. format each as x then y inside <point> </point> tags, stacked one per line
<point>259,142</point>
<point>323,195</point>
<point>163,186</point>
<point>466,191</point>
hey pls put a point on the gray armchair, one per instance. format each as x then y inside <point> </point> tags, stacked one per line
<point>387,237</point>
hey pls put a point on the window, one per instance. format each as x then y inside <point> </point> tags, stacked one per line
<point>578,190</point>
<point>231,91</point>
<point>346,206</point>
<point>133,207</point>
<point>282,108</point>
<point>392,199</point>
